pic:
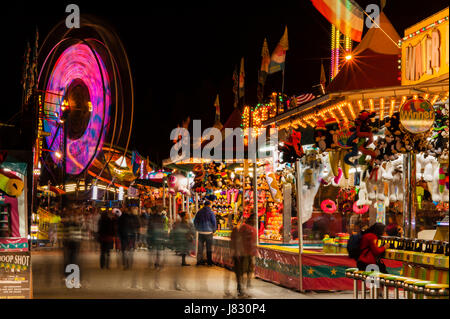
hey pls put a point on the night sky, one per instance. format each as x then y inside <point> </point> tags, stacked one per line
<point>182,55</point>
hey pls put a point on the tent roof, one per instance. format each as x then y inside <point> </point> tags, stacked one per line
<point>234,120</point>
<point>374,63</point>
<point>376,40</point>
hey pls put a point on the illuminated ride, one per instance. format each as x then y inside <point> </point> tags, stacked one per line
<point>86,87</point>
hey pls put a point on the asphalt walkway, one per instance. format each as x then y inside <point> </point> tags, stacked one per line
<point>143,281</point>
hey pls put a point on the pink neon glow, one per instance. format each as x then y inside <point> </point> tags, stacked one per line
<point>79,62</point>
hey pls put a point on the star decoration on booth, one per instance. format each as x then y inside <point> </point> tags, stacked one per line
<point>310,271</point>
<point>333,272</point>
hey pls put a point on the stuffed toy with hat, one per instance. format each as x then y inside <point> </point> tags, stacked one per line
<point>320,135</point>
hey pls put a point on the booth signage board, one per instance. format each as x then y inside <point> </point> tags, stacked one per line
<point>425,53</point>
<point>15,275</point>
<point>417,116</point>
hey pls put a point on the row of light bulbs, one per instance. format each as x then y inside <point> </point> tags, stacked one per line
<point>311,119</point>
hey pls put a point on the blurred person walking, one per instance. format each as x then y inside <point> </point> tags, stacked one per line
<point>205,224</point>
<point>72,239</point>
<point>143,220</point>
<point>157,234</point>
<point>182,237</point>
<point>105,237</point>
<point>122,222</point>
<point>133,226</point>
<point>243,247</point>
<point>128,227</point>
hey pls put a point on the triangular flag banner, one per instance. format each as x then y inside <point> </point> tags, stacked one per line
<point>323,78</point>
<point>235,86</point>
<point>241,79</point>
<point>278,57</point>
<point>346,15</point>
<point>135,162</point>
<point>217,106</point>
<point>265,61</point>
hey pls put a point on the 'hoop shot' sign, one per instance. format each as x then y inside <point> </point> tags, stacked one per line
<point>15,275</point>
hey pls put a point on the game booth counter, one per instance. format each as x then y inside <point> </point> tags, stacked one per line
<point>15,258</point>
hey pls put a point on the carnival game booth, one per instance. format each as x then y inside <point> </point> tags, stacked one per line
<point>13,205</point>
<point>193,181</point>
<point>15,258</point>
<point>367,143</point>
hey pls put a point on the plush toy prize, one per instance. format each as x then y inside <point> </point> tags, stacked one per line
<point>10,183</point>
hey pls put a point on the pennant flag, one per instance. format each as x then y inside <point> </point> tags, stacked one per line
<point>278,58</point>
<point>235,86</point>
<point>186,122</point>
<point>185,125</point>
<point>346,15</point>
<point>148,168</point>
<point>265,61</point>
<point>217,106</point>
<point>241,79</point>
<point>136,160</point>
<point>323,78</point>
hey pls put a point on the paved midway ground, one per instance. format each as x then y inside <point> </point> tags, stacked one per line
<point>144,282</point>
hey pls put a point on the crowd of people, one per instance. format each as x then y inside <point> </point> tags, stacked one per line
<point>130,228</point>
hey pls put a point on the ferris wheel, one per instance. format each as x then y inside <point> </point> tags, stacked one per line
<point>87,93</point>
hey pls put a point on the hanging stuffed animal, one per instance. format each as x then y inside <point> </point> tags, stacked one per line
<point>363,198</point>
<point>396,190</point>
<point>320,135</point>
<point>292,148</point>
<point>199,178</point>
<point>440,134</point>
<point>10,183</point>
<point>394,131</point>
<point>332,134</point>
<point>326,173</point>
<point>273,186</point>
<point>220,175</point>
<point>364,129</point>
<point>424,167</point>
<point>178,183</point>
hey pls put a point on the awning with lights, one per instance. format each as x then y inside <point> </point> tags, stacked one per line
<point>345,106</point>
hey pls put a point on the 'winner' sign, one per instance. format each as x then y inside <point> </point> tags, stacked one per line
<point>417,116</point>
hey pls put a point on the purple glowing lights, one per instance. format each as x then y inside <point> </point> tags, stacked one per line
<point>78,62</point>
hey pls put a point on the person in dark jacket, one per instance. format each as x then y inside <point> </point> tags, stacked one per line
<point>133,228</point>
<point>182,237</point>
<point>122,232</point>
<point>371,253</point>
<point>205,224</point>
<point>106,238</point>
<point>128,231</point>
